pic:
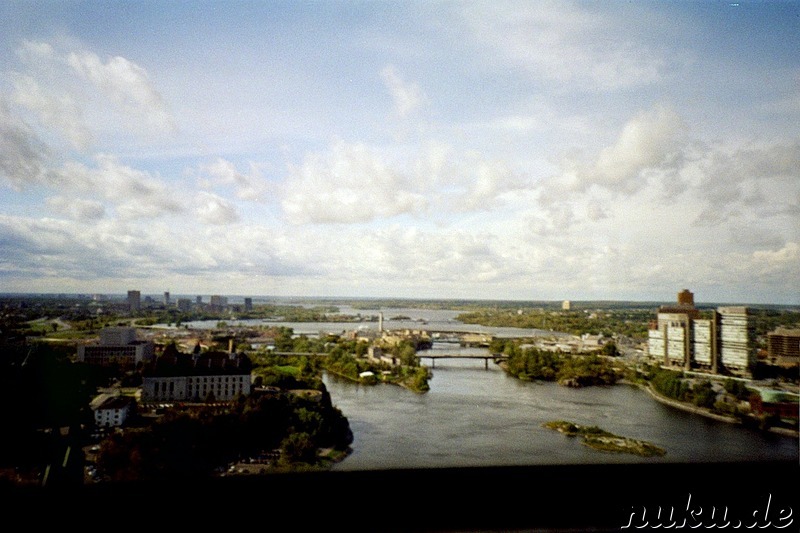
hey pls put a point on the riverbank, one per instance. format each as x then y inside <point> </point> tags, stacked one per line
<point>376,380</point>
<point>689,408</point>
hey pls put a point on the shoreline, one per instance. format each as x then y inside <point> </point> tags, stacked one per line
<point>378,382</point>
<point>785,432</point>
<point>704,412</point>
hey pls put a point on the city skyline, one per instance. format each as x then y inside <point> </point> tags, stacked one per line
<point>421,150</point>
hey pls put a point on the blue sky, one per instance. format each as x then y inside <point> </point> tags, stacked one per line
<point>482,150</point>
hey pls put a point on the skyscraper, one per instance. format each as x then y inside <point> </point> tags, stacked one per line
<point>736,339</point>
<point>134,301</point>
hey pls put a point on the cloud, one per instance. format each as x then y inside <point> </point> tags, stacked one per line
<point>764,179</point>
<point>59,111</point>
<point>213,209</point>
<point>787,257</point>
<point>134,193</point>
<point>23,156</point>
<point>75,93</point>
<point>347,184</point>
<point>650,142</point>
<point>77,208</point>
<point>35,52</point>
<point>248,186</point>
<point>559,42</point>
<point>125,83</point>
<point>48,248</point>
<point>649,151</point>
<point>353,183</point>
<point>407,97</point>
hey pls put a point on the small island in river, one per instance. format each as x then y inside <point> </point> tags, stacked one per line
<point>600,439</point>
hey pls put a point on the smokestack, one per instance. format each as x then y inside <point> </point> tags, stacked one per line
<point>380,322</point>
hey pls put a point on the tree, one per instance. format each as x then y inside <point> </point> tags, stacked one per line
<point>610,349</point>
<point>407,354</point>
<point>298,447</point>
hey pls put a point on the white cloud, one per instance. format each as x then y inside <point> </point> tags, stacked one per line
<point>134,193</point>
<point>565,43</point>
<point>213,209</point>
<point>250,186</point>
<point>35,52</point>
<point>650,151</point>
<point>788,255</point>
<point>650,141</point>
<point>23,156</point>
<point>348,184</point>
<point>407,97</point>
<point>77,208</point>
<point>762,179</point>
<point>125,83</point>
<point>59,111</point>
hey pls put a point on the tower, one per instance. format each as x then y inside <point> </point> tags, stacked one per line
<point>134,301</point>
<point>686,297</point>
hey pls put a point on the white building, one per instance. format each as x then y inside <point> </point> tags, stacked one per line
<point>704,343</point>
<point>737,351</point>
<point>193,377</point>
<point>113,411</point>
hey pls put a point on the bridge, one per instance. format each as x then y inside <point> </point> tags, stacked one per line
<point>422,355</point>
<point>433,357</point>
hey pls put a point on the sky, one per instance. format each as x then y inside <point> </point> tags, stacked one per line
<point>434,149</point>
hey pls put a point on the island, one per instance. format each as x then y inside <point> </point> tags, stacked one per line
<point>599,439</point>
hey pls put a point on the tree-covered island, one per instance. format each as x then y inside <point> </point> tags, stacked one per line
<point>531,363</point>
<point>602,440</point>
<point>361,361</point>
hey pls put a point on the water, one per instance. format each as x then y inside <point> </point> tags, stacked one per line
<point>477,417</point>
<point>428,319</point>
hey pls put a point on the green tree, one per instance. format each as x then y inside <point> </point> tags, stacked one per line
<point>704,395</point>
<point>610,349</point>
<point>299,447</point>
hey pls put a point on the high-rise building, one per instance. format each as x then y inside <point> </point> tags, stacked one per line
<point>783,346</point>
<point>736,339</point>
<point>134,301</point>
<point>248,304</point>
<point>184,304</point>
<point>669,339</point>
<point>566,305</point>
<point>199,300</point>
<point>166,299</point>
<point>704,343</point>
<point>218,303</point>
<point>681,338</point>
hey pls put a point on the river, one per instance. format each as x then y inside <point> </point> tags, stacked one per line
<point>477,417</point>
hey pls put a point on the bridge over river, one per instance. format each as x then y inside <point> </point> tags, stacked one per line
<point>434,356</point>
<point>425,354</point>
